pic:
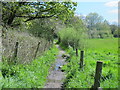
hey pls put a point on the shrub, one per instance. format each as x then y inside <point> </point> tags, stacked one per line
<point>72,37</point>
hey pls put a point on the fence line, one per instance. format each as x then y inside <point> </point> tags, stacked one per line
<point>16,49</point>
<point>98,72</point>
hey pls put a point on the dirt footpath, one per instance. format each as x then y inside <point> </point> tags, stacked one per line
<point>56,76</point>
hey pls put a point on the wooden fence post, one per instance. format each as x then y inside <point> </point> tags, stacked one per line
<point>98,75</point>
<point>59,40</point>
<point>76,52</point>
<point>15,52</point>
<point>36,50</point>
<point>81,59</point>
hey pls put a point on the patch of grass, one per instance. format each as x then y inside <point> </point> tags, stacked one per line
<point>103,44</point>
<point>99,50</point>
<point>31,75</point>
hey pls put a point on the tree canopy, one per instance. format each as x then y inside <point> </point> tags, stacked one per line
<point>27,11</point>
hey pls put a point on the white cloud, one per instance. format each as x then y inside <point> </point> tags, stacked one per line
<point>113,11</point>
<point>112,4</point>
<point>80,15</point>
<point>113,21</point>
<point>77,15</point>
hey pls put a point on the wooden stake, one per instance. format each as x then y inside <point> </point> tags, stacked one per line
<point>15,52</point>
<point>76,52</point>
<point>81,59</point>
<point>36,50</point>
<point>98,74</point>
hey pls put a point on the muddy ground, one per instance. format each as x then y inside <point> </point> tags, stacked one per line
<point>56,76</point>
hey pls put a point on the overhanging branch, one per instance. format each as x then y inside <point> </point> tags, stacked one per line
<point>32,18</point>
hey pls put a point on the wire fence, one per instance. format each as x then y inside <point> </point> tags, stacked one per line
<point>98,77</point>
<point>27,48</point>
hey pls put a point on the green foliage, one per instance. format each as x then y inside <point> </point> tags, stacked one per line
<point>73,34</point>
<point>69,36</point>
<point>43,28</point>
<point>103,30</point>
<point>99,50</point>
<point>97,27</point>
<point>115,30</point>
<point>31,75</point>
<point>16,12</point>
<point>92,19</point>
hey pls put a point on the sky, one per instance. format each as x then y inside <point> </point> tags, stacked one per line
<point>108,10</point>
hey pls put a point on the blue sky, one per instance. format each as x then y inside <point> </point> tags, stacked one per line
<point>109,10</point>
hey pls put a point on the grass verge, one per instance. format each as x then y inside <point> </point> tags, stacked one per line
<point>31,75</point>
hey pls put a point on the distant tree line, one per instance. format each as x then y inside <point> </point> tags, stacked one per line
<point>115,30</point>
<point>98,27</point>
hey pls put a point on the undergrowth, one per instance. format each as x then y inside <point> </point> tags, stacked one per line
<point>31,75</point>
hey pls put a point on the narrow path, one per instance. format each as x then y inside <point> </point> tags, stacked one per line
<point>56,76</point>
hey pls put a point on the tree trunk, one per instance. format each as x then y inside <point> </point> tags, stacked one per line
<point>11,18</point>
<point>13,12</point>
<point>59,40</point>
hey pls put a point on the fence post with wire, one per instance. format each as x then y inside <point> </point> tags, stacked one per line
<point>98,75</point>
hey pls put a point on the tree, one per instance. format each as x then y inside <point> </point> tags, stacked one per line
<point>114,30</point>
<point>103,29</point>
<point>92,19</point>
<point>43,28</point>
<point>28,11</point>
<point>74,33</point>
<point>97,26</point>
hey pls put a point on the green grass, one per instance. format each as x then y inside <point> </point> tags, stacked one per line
<point>100,44</point>
<point>105,50</point>
<point>31,75</point>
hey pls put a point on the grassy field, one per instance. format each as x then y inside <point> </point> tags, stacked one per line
<point>103,44</point>
<point>105,50</point>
